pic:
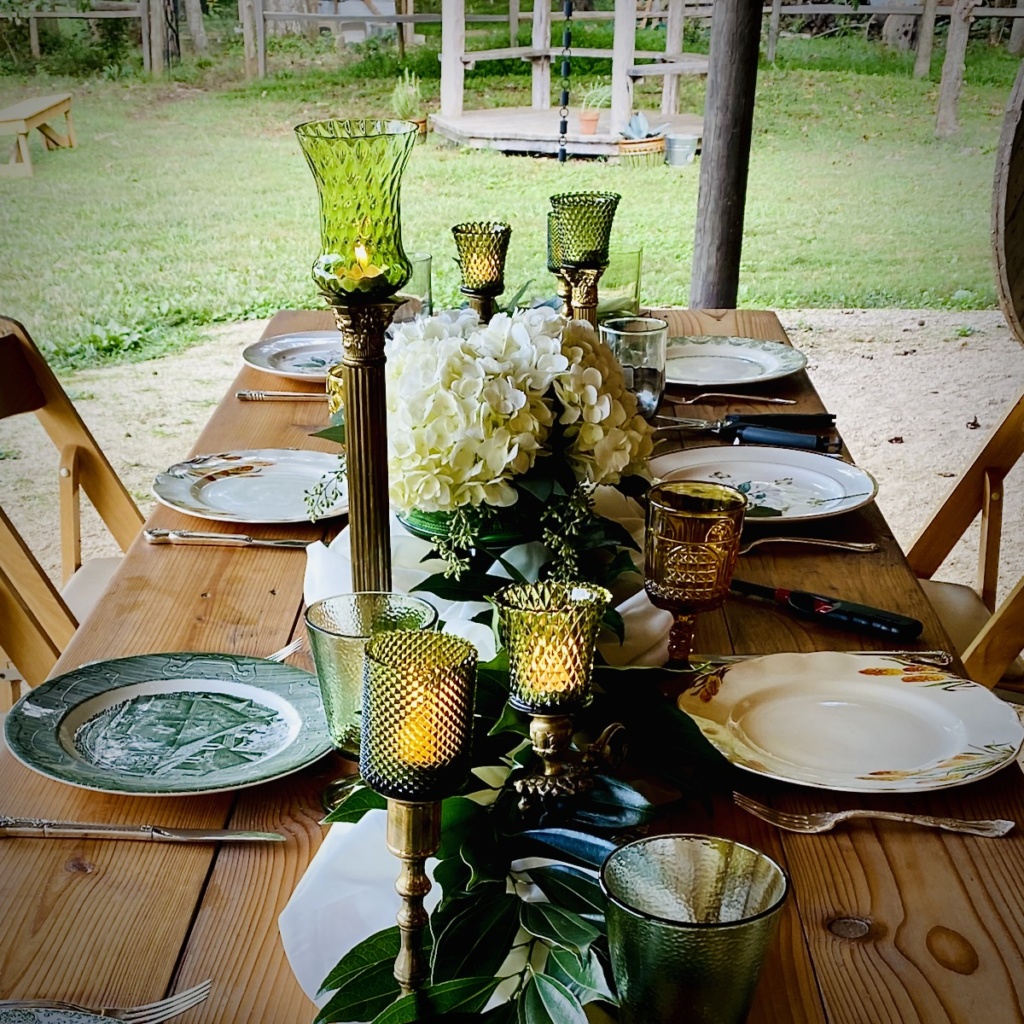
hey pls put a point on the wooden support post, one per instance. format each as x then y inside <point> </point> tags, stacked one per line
<point>261,38</point>
<point>513,22</point>
<point>623,50</point>
<point>1016,43</point>
<point>991,529</point>
<point>33,38</point>
<point>673,44</point>
<point>248,20</point>
<point>408,29</point>
<point>947,122</point>
<point>773,30</point>
<point>925,40</point>
<point>147,54</point>
<point>728,121</point>
<point>540,39</point>
<point>400,30</point>
<point>453,43</point>
<point>157,39</point>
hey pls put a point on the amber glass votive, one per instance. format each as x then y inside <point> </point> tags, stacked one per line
<point>417,714</point>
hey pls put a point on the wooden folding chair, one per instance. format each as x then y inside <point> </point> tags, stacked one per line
<point>36,621</point>
<point>988,638</point>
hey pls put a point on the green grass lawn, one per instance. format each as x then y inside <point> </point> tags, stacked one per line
<point>188,203</point>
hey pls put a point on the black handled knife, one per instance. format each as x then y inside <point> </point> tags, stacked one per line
<point>833,611</point>
<point>779,428</point>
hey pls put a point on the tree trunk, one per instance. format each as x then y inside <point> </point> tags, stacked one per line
<point>728,124</point>
<point>1016,43</point>
<point>925,40</point>
<point>947,122</point>
<point>898,31</point>
<point>196,29</point>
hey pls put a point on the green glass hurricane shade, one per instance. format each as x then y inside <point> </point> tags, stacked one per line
<point>482,247</point>
<point>357,166</point>
<point>584,222</point>
<point>554,249</point>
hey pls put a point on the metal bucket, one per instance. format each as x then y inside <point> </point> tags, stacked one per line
<point>680,149</point>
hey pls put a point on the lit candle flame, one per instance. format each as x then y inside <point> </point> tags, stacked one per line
<point>417,743</point>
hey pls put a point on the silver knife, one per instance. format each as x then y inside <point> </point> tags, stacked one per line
<point>280,396</point>
<point>40,828</point>
<point>240,540</point>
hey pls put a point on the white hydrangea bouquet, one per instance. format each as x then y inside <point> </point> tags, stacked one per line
<point>501,432</point>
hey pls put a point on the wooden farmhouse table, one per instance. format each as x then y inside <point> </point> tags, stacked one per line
<point>885,923</point>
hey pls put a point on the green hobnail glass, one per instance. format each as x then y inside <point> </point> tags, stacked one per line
<point>482,247</point>
<point>690,921</point>
<point>554,249</point>
<point>584,221</point>
<point>550,630</point>
<point>417,714</point>
<point>357,166</point>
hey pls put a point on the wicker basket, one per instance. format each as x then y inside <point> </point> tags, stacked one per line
<point>642,152</point>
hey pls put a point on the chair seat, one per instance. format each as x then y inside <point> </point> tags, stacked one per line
<point>962,612</point>
<point>86,587</point>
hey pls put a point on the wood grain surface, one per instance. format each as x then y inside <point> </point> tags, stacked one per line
<point>885,922</point>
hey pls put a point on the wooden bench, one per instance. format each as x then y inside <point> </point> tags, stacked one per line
<point>18,120</point>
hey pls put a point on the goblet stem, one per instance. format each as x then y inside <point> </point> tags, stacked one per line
<point>680,638</point>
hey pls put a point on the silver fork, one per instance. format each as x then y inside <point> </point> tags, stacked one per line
<point>697,399</point>
<point>287,650</point>
<point>822,821</point>
<point>818,542</point>
<point>149,1013</point>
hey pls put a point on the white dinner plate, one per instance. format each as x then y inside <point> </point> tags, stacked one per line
<point>305,355</point>
<point>711,361</point>
<point>265,485</point>
<point>780,483</point>
<point>170,724</point>
<point>853,723</point>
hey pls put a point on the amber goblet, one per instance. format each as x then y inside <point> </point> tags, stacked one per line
<point>691,545</point>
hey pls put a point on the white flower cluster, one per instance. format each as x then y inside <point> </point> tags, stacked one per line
<point>471,406</point>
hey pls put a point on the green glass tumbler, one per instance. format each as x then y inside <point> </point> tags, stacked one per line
<point>357,166</point>
<point>584,221</point>
<point>339,629</point>
<point>690,920</point>
<point>482,247</point>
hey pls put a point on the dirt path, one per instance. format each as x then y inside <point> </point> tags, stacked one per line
<point>916,392</point>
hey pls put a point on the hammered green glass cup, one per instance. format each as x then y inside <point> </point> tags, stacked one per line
<point>690,921</point>
<point>550,630</point>
<point>584,222</point>
<point>357,165</point>
<point>482,247</point>
<point>339,629</point>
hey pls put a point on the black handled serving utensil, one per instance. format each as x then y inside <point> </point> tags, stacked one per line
<point>778,428</point>
<point>833,611</point>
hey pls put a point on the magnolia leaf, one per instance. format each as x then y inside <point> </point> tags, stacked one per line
<point>332,433</point>
<point>621,564</point>
<point>469,995</point>
<point>591,851</point>
<point>541,487</point>
<point>612,804</point>
<point>356,804</point>
<point>380,946</point>
<point>606,533</point>
<point>477,941</point>
<point>633,486</point>
<point>761,512</point>
<point>455,906</point>
<point>511,721</point>
<point>547,1001</point>
<point>515,576</point>
<point>562,927</point>
<point>503,1013</point>
<point>569,888</point>
<point>452,875</point>
<point>492,775</point>
<point>613,621</point>
<point>583,976</point>
<point>363,994</point>
<point>460,818</point>
<point>470,586</point>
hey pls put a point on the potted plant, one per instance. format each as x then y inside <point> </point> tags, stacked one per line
<point>641,145</point>
<point>407,102</point>
<point>594,98</point>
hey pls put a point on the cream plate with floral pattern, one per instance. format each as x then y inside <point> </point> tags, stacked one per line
<point>307,355</point>
<point>853,723</point>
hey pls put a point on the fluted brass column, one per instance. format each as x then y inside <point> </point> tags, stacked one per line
<point>583,285</point>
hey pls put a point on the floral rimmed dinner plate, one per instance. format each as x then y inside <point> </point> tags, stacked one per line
<point>264,485</point>
<point>170,724</point>
<point>705,361</point>
<point>780,483</point>
<point>853,723</point>
<point>45,1015</point>
<point>306,355</point>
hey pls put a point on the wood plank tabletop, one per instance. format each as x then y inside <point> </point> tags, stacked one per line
<point>886,923</point>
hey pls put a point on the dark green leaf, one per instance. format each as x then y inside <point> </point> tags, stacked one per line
<point>612,804</point>
<point>477,941</point>
<point>515,576</point>
<point>356,804</point>
<point>363,994</point>
<point>547,1001</point>
<point>590,851</point>
<point>613,620</point>
<point>460,817</point>
<point>562,927</point>
<point>379,946</point>
<point>540,487</point>
<point>606,533</point>
<point>584,977</point>
<point>569,888</point>
<point>761,512</point>
<point>634,486</point>
<point>334,433</point>
<point>621,564</point>
<point>511,721</point>
<point>471,586</point>
<point>452,875</point>
<point>469,995</point>
<point>503,1013</point>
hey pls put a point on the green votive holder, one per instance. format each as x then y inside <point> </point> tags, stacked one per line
<point>690,920</point>
<point>339,629</point>
<point>584,222</point>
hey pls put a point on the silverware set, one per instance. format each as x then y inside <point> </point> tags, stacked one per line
<point>148,1013</point>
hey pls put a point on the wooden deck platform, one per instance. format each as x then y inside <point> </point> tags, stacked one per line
<point>525,130</point>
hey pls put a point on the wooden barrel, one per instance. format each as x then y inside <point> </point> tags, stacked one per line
<point>1008,211</point>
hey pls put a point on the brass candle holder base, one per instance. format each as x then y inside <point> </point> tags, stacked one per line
<point>564,291</point>
<point>583,285</point>
<point>362,329</point>
<point>413,835</point>
<point>566,773</point>
<point>483,302</point>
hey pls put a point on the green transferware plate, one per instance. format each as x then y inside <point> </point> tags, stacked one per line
<point>170,724</point>
<point>45,1015</point>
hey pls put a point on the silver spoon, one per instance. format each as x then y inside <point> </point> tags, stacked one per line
<point>819,542</point>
